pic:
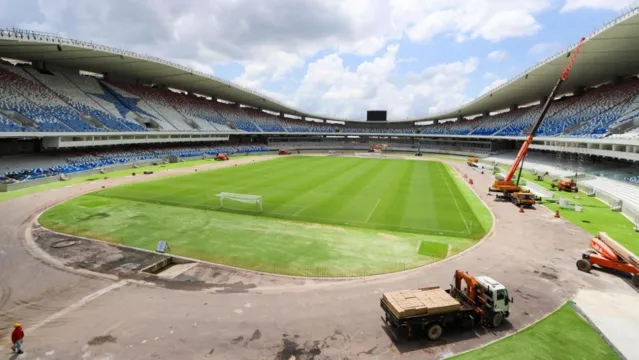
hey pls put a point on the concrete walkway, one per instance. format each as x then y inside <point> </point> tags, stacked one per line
<point>616,315</point>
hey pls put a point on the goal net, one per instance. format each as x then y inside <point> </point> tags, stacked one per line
<point>241,198</point>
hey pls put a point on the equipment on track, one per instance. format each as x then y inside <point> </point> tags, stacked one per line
<point>507,186</point>
<point>284,152</point>
<point>565,184</point>
<point>472,161</point>
<point>609,254</point>
<point>221,157</point>
<point>432,310</point>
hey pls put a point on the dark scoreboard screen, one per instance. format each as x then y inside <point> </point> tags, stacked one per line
<point>376,115</point>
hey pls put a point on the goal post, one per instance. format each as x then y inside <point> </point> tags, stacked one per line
<point>243,198</point>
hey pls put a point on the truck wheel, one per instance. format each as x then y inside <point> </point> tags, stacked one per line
<point>635,280</point>
<point>496,320</point>
<point>584,265</point>
<point>434,332</point>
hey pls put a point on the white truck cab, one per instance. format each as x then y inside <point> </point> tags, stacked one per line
<point>496,294</point>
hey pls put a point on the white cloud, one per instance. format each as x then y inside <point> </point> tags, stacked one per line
<point>492,20</point>
<point>497,55</point>
<point>616,5</point>
<point>493,85</point>
<point>545,49</point>
<point>331,87</point>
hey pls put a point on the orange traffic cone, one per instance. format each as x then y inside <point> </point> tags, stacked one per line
<point>557,214</point>
<point>521,209</point>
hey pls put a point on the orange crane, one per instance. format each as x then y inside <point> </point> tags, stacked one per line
<point>511,190</point>
<point>606,253</point>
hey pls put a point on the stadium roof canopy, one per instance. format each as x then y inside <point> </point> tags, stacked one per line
<point>607,53</point>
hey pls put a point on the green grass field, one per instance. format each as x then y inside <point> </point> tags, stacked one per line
<point>563,335</point>
<point>595,218</point>
<point>322,216</point>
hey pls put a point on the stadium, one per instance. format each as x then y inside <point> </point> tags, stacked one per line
<point>150,210</point>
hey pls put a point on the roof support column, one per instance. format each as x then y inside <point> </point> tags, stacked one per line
<point>106,76</point>
<point>543,99</point>
<point>163,87</point>
<point>618,80</point>
<point>435,122</point>
<point>514,107</point>
<point>580,90</point>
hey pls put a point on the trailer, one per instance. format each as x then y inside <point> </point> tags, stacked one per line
<point>483,302</point>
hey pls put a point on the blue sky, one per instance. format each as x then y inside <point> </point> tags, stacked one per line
<point>332,57</point>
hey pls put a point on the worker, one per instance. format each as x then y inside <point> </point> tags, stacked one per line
<point>17,338</point>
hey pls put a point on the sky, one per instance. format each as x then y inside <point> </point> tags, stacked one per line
<point>335,58</point>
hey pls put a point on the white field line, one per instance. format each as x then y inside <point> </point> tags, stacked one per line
<point>299,211</point>
<point>455,200</point>
<point>372,211</point>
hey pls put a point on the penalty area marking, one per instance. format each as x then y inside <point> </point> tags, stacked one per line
<point>78,304</point>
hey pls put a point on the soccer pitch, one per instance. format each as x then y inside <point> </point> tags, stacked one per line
<point>321,215</point>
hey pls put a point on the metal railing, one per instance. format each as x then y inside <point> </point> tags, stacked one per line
<point>538,190</point>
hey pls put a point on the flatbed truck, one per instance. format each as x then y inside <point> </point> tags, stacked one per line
<point>484,302</point>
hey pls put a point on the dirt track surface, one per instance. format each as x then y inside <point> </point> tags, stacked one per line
<point>72,316</point>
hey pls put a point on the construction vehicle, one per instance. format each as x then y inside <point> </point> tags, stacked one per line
<point>472,161</point>
<point>520,198</point>
<point>432,310</point>
<point>506,186</point>
<point>284,152</point>
<point>221,157</point>
<point>606,253</point>
<point>565,184</point>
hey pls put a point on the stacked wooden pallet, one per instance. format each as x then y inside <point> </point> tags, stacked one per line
<point>424,301</point>
<point>621,251</point>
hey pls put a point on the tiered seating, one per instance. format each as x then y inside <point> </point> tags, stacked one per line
<point>102,159</point>
<point>628,193</point>
<point>268,123</point>
<point>611,107</point>
<point>523,122</point>
<point>124,94</point>
<point>377,131</point>
<point>80,101</point>
<point>497,122</point>
<point>48,101</point>
<point>633,179</point>
<point>104,100</point>
<point>6,125</point>
<point>191,108</point>
<point>12,87</point>
<point>233,115</point>
<point>155,99</point>
<point>300,126</point>
<point>451,128</point>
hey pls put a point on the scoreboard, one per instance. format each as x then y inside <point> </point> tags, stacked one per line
<point>376,115</point>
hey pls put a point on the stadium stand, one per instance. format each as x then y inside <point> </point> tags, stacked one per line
<point>103,159</point>
<point>377,130</point>
<point>299,126</point>
<point>65,101</point>
<point>590,115</point>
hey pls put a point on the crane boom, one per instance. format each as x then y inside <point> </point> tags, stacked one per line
<point>524,147</point>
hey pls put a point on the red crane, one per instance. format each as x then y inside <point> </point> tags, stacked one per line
<point>507,185</point>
